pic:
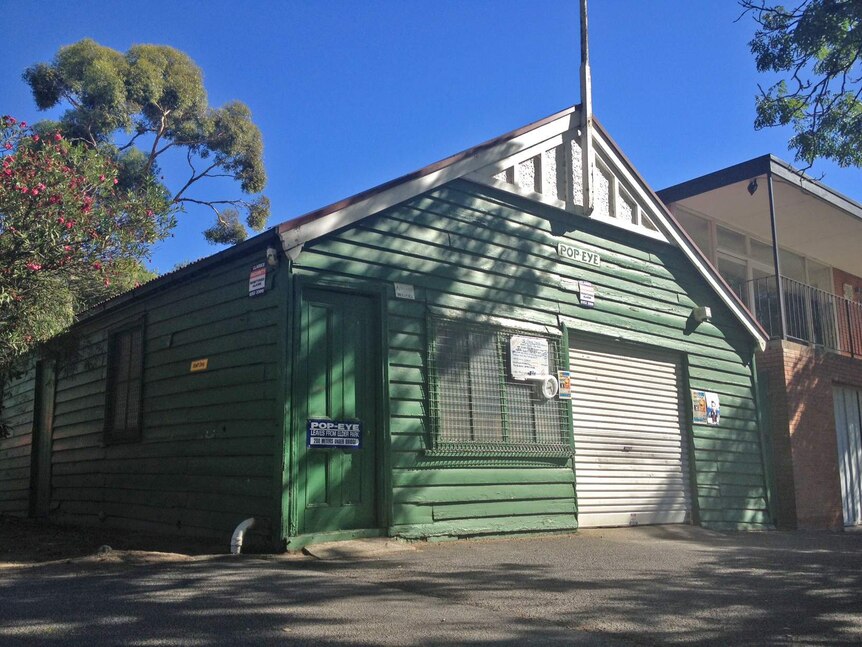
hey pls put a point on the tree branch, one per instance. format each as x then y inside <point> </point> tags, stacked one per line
<point>194,178</point>
<point>159,133</point>
<point>132,140</point>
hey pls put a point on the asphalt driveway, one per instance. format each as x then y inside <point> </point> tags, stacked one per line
<point>628,586</point>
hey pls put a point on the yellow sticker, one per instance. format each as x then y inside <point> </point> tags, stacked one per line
<point>199,365</point>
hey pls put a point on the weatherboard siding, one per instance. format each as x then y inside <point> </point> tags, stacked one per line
<point>474,250</point>
<point>17,412</point>
<point>209,441</point>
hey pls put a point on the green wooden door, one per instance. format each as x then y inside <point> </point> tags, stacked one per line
<point>337,380</point>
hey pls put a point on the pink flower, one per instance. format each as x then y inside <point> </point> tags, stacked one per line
<point>12,121</point>
<point>34,267</point>
<point>116,180</point>
<point>35,138</point>
<point>97,265</point>
<point>23,124</point>
<point>35,191</point>
<point>57,137</point>
<point>8,146</point>
<point>101,178</point>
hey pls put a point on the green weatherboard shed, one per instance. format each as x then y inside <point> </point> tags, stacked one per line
<point>460,351</point>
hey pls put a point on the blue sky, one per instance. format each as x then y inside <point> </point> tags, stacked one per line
<point>351,94</point>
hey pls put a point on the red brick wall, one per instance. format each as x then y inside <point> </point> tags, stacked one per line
<point>849,318</point>
<point>840,277</point>
<point>801,379</point>
<point>771,363</point>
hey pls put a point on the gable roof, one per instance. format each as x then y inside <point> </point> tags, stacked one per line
<point>561,128</point>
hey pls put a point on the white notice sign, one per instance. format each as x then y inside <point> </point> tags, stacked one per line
<point>404,291</point>
<point>257,280</point>
<point>529,356</point>
<point>588,294</point>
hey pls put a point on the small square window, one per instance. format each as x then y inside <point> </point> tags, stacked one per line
<point>124,387</point>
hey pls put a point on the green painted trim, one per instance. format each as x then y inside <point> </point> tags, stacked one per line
<point>764,424</point>
<point>291,489</point>
<point>298,542</point>
<point>493,526</point>
<point>503,450</point>
<point>564,346</point>
<point>686,418</point>
<point>564,364</point>
<point>517,534</point>
<point>385,479</point>
<point>281,478</point>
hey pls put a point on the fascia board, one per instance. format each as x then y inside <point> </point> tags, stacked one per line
<point>804,183</point>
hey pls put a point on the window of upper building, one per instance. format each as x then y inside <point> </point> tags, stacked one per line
<point>698,229</point>
<point>742,259</point>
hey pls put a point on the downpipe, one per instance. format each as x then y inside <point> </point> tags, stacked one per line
<point>239,535</point>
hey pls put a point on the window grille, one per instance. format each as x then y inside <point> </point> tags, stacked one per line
<point>124,384</point>
<point>477,407</point>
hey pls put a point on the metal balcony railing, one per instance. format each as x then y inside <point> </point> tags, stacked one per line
<point>812,316</point>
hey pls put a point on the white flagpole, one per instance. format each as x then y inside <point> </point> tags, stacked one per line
<point>587,155</point>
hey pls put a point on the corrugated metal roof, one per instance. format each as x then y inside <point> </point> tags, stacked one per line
<point>175,275</point>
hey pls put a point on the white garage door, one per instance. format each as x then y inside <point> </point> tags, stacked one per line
<point>848,420</point>
<point>631,461</point>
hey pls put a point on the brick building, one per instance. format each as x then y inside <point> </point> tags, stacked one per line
<point>763,219</point>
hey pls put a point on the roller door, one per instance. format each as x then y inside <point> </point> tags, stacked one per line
<point>631,458</point>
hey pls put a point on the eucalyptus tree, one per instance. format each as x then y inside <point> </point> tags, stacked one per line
<point>150,102</point>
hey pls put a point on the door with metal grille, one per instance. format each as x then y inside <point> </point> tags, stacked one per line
<point>631,458</point>
<point>848,422</point>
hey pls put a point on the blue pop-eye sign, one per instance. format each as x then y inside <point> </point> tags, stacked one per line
<point>343,434</point>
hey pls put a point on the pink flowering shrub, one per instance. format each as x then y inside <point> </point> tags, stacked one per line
<point>67,231</point>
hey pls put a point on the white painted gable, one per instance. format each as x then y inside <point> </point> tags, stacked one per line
<point>550,172</point>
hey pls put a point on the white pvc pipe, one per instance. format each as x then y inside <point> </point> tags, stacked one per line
<point>238,534</point>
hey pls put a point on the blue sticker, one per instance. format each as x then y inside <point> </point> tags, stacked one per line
<point>342,434</point>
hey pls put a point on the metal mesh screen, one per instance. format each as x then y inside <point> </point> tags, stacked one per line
<point>476,403</point>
